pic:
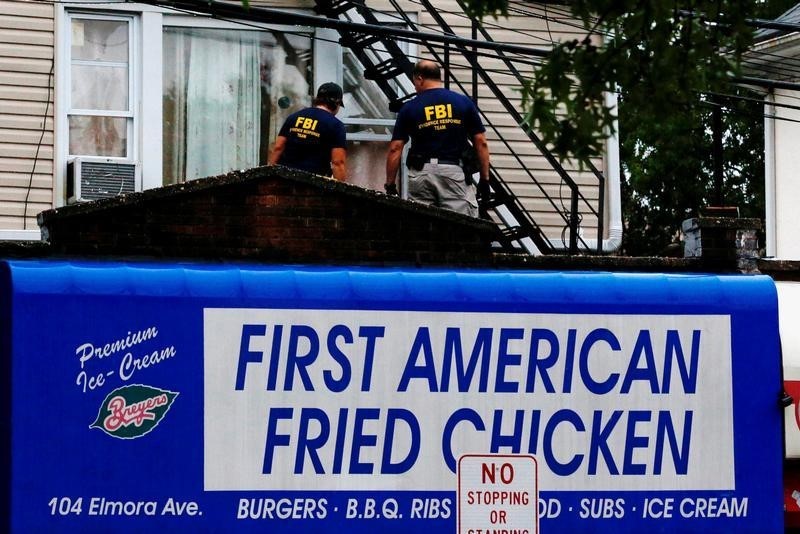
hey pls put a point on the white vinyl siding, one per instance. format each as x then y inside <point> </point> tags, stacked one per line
<point>26,116</point>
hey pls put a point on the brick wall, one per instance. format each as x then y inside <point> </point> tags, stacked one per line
<point>270,214</point>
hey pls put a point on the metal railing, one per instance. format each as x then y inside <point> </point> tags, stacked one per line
<point>385,63</point>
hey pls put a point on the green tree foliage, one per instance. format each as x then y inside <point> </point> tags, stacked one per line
<point>668,166</point>
<point>664,59</point>
<point>659,53</point>
<point>668,169</point>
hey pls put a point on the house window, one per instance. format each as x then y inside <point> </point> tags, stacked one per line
<point>179,97</point>
<point>226,93</point>
<point>100,111</point>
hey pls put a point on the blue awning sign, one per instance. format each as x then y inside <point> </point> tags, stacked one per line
<point>199,397</point>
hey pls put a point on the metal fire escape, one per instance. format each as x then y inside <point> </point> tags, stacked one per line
<point>385,63</point>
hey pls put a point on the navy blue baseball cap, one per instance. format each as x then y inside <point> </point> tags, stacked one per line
<point>331,91</point>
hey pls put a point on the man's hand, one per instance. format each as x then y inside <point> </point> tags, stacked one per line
<point>484,191</point>
<point>484,194</point>
<point>393,157</point>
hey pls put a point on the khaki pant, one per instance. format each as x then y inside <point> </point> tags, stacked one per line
<point>443,186</point>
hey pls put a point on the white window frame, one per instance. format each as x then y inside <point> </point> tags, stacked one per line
<point>129,114</point>
<point>138,43</point>
<point>145,103</point>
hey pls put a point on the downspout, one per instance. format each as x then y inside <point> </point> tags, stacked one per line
<point>769,174</point>
<point>613,191</point>
<point>613,182</point>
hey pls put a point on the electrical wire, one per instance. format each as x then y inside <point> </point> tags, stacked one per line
<point>532,34</point>
<point>38,146</point>
<point>788,59</point>
<point>772,69</point>
<point>750,99</point>
<point>748,114</point>
<point>515,8</point>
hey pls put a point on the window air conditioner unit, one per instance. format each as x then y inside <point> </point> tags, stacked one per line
<point>96,178</point>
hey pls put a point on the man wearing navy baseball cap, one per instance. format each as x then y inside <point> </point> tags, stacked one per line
<point>313,139</point>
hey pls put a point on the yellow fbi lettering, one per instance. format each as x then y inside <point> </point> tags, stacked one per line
<point>306,123</point>
<point>439,111</point>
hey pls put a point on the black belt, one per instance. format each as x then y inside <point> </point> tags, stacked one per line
<point>444,161</point>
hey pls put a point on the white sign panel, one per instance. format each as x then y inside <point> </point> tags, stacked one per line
<point>389,400</point>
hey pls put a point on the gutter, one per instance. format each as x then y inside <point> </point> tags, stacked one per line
<point>613,193</point>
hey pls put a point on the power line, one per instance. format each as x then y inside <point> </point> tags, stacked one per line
<point>771,71</point>
<point>773,25</point>
<point>762,82</point>
<point>38,146</point>
<point>277,16</point>
<point>760,53</point>
<point>532,34</point>
<point>237,14</point>
<point>748,114</point>
<point>751,99</point>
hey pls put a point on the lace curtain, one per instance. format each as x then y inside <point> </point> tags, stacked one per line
<point>224,93</point>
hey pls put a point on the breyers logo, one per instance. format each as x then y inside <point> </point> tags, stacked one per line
<point>132,411</point>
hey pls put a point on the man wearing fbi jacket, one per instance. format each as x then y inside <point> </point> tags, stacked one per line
<point>440,124</point>
<point>313,139</point>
